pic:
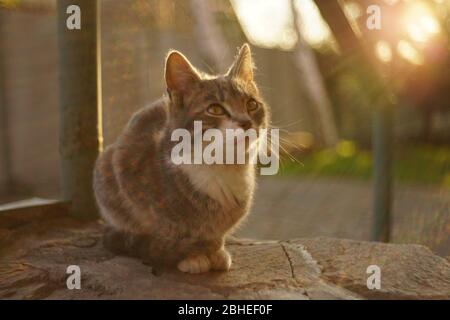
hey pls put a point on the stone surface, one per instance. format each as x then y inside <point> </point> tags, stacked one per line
<point>34,261</point>
<point>290,207</point>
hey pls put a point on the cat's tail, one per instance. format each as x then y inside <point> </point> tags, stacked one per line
<point>145,247</point>
<point>153,250</point>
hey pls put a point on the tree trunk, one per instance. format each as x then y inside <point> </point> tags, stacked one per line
<point>309,73</point>
<point>210,41</point>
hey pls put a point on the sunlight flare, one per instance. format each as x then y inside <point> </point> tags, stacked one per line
<point>409,53</point>
<point>419,22</point>
<point>383,51</point>
<point>270,23</point>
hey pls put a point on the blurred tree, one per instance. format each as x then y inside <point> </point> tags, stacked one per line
<point>382,100</point>
<point>310,76</point>
<point>210,40</point>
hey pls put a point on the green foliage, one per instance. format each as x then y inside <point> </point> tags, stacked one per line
<point>421,164</point>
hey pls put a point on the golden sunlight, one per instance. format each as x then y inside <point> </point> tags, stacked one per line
<point>270,23</point>
<point>313,28</point>
<point>409,53</point>
<point>383,51</point>
<point>267,23</point>
<point>419,22</point>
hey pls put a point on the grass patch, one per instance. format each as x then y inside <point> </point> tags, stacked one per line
<point>421,164</point>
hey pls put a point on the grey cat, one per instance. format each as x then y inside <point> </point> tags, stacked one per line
<point>180,214</point>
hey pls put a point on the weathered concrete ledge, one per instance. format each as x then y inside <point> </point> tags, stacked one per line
<point>34,259</point>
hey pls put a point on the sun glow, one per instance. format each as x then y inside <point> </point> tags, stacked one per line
<point>383,51</point>
<point>313,28</point>
<point>419,22</point>
<point>270,23</point>
<point>267,23</point>
<point>418,27</point>
<point>409,53</point>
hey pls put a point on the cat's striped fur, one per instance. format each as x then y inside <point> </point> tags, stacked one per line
<point>179,214</point>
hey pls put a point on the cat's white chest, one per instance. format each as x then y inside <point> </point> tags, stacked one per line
<point>228,186</point>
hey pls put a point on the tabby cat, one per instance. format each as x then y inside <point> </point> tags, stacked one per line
<point>180,214</point>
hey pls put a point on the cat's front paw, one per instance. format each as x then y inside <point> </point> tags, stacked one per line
<point>220,260</point>
<point>195,264</point>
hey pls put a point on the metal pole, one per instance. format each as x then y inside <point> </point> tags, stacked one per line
<point>80,104</point>
<point>333,14</point>
<point>382,172</point>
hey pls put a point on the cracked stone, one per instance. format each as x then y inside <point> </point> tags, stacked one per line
<point>319,268</point>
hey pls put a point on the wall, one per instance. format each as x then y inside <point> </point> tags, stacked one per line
<point>134,47</point>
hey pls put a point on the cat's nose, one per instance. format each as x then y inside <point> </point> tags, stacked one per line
<point>245,124</point>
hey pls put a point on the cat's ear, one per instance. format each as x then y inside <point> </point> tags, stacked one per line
<point>180,75</point>
<point>242,67</point>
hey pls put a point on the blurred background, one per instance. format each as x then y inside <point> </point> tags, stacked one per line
<point>317,91</point>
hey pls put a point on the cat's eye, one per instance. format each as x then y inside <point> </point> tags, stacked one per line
<point>252,105</point>
<point>216,110</point>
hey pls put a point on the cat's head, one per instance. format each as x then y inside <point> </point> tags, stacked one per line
<point>228,101</point>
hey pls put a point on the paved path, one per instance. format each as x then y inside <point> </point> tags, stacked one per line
<point>305,207</point>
